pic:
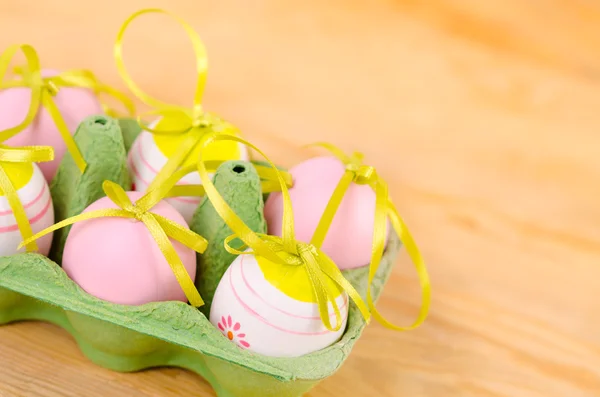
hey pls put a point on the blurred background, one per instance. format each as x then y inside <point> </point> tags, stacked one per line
<point>483,116</point>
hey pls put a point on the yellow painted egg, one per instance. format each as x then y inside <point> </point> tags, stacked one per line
<point>33,191</point>
<point>271,309</point>
<point>150,152</point>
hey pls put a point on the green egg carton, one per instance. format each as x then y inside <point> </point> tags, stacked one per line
<point>132,338</point>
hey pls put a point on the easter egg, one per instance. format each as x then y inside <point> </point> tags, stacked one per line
<point>270,309</point>
<point>117,260</point>
<point>150,153</point>
<point>349,239</point>
<point>74,104</point>
<point>34,194</point>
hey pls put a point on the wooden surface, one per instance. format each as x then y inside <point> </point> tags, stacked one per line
<point>484,116</point>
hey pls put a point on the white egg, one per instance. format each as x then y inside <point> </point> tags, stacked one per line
<point>149,154</point>
<point>255,314</point>
<point>34,194</point>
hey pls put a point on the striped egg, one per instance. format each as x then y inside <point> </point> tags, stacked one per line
<point>150,152</point>
<point>270,309</point>
<point>33,191</point>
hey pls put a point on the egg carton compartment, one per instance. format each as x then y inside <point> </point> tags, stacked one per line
<point>132,338</point>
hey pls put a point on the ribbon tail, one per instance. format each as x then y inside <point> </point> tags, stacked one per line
<point>181,234</point>
<point>49,104</point>
<point>379,234</point>
<point>415,256</point>
<point>18,211</point>
<point>323,294</point>
<point>333,272</point>
<point>78,218</point>
<point>180,272</point>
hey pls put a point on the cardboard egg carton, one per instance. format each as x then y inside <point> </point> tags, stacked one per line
<point>131,338</point>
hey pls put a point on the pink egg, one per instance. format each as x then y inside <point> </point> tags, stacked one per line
<point>74,104</point>
<point>117,260</point>
<point>349,239</point>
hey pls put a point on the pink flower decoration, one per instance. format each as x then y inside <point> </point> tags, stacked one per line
<point>229,328</point>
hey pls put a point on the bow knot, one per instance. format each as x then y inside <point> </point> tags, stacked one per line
<point>201,122</point>
<point>50,86</point>
<point>362,174</point>
<point>137,212</point>
<point>366,175</point>
<point>307,252</point>
<point>199,117</point>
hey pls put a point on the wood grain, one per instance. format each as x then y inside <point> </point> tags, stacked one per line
<point>484,116</point>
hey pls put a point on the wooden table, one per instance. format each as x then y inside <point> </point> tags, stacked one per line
<point>484,117</point>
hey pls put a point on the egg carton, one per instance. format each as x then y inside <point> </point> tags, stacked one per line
<point>132,338</point>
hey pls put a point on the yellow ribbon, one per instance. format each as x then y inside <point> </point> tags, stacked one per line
<point>269,181</point>
<point>43,89</point>
<point>26,154</point>
<point>195,122</point>
<point>82,78</point>
<point>159,227</point>
<point>361,174</point>
<point>285,250</point>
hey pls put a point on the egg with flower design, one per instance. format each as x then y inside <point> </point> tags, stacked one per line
<point>271,309</point>
<point>150,152</point>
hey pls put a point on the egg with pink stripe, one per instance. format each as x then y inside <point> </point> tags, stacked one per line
<point>150,152</point>
<point>271,309</point>
<point>34,194</point>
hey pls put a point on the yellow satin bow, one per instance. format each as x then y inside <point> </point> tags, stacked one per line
<point>26,154</point>
<point>43,89</point>
<point>159,227</point>
<point>357,172</point>
<point>194,121</point>
<point>285,250</point>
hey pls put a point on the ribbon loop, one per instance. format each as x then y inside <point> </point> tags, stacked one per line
<point>384,209</point>
<point>192,121</point>
<point>43,91</point>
